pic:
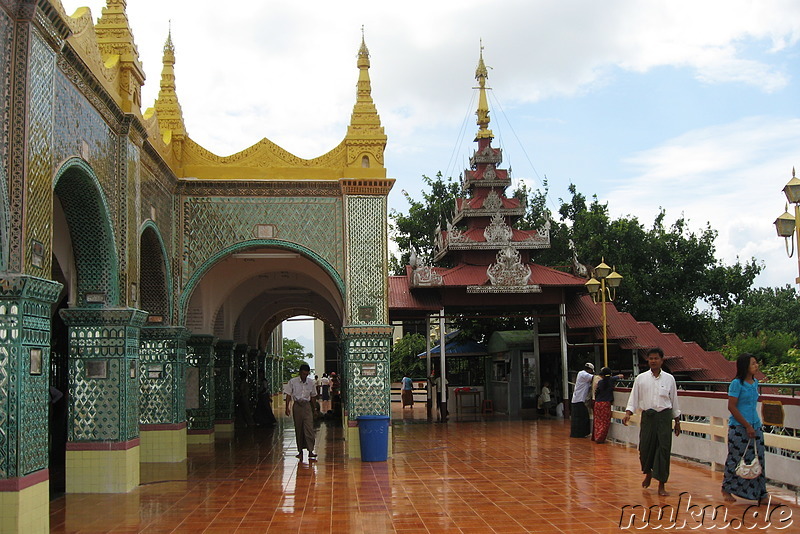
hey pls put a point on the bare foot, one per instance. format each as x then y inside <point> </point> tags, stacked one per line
<point>647,478</point>
<point>662,490</point>
<point>727,497</point>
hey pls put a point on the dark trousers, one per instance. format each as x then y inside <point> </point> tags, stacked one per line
<point>579,427</point>
<point>655,443</point>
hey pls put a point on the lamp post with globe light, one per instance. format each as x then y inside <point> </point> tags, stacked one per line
<point>602,290</point>
<point>786,224</point>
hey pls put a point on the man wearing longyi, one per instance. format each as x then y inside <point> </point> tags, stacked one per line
<point>299,391</point>
<point>656,394</point>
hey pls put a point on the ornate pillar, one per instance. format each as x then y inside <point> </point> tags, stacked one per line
<point>200,398</point>
<point>162,404</point>
<point>24,376</point>
<point>103,426</point>
<point>223,386</point>
<point>366,335</point>
<point>252,377</point>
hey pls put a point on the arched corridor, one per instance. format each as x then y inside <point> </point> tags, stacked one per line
<point>482,476</point>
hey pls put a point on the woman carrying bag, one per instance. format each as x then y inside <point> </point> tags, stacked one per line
<point>745,438</point>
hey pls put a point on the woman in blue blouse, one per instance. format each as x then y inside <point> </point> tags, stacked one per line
<point>744,425</point>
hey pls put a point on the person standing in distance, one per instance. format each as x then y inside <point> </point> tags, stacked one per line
<point>299,392</point>
<point>579,427</point>
<point>656,394</point>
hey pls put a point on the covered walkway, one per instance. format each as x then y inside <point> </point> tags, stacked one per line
<point>464,476</point>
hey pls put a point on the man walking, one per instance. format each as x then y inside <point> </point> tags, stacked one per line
<point>299,391</point>
<point>656,394</point>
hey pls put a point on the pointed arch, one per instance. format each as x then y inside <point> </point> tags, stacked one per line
<point>91,231</point>
<point>198,275</point>
<point>155,276</point>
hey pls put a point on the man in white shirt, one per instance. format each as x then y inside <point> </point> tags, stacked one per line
<point>579,427</point>
<point>299,391</point>
<point>656,394</point>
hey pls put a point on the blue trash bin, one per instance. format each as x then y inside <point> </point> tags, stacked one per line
<point>373,430</point>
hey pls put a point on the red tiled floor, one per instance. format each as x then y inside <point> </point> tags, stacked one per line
<point>462,477</point>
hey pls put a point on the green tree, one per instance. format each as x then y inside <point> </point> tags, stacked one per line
<point>785,373</point>
<point>404,359</point>
<point>670,270</point>
<point>417,229</point>
<point>770,348</point>
<point>761,309</point>
<point>293,358</point>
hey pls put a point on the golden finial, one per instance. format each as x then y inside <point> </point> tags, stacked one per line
<point>482,74</point>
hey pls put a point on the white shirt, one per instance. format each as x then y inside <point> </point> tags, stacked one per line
<point>324,381</point>
<point>582,385</point>
<point>652,392</point>
<point>299,390</point>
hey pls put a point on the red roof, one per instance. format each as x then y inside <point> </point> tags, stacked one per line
<point>475,275</point>
<point>679,356</point>
<point>400,298</point>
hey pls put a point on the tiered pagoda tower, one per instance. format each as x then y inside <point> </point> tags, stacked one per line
<point>481,232</point>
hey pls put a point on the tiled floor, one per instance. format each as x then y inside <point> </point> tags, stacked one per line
<point>478,476</point>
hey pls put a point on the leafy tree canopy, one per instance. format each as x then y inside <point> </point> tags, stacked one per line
<point>417,229</point>
<point>760,309</point>
<point>770,348</point>
<point>404,360</point>
<point>293,358</point>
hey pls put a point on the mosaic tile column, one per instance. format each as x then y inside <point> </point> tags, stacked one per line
<point>200,398</point>
<point>269,371</point>
<point>103,425</point>
<point>366,334</point>
<point>162,403</point>
<point>223,385</point>
<point>252,377</point>
<point>24,377</point>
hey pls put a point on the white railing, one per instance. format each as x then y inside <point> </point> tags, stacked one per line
<point>704,429</point>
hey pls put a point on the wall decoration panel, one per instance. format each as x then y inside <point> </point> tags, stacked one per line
<point>211,224</point>
<point>38,189</point>
<point>200,354</point>
<point>367,259</point>
<point>81,131</point>
<point>6,47</point>
<point>367,372</point>
<point>131,197</point>
<point>162,375</point>
<point>104,405</point>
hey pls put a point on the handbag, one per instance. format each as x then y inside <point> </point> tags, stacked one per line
<point>748,470</point>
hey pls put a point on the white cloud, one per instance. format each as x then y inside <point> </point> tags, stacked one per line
<point>287,71</point>
<point>729,175</point>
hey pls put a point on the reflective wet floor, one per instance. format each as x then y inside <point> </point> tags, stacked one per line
<point>473,475</point>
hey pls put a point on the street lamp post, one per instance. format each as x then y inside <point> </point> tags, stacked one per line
<point>602,290</point>
<point>786,224</point>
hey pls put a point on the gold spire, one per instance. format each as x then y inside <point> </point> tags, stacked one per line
<point>115,40</point>
<point>365,130</point>
<point>168,109</point>
<point>482,74</point>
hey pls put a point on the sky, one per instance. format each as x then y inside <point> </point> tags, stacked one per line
<point>688,106</point>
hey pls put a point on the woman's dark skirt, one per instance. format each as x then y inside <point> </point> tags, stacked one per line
<point>753,489</point>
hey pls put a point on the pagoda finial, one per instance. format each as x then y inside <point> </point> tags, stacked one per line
<point>363,53</point>
<point>365,123</point>
<point>168,109</point>
<point>482,74</point>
